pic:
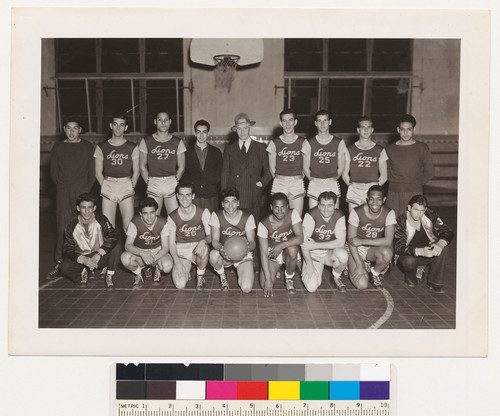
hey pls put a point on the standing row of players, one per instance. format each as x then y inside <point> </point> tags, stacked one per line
<point>162,159</point>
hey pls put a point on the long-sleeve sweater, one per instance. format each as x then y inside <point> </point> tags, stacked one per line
<point>409,167</point>
<point>72,163</point>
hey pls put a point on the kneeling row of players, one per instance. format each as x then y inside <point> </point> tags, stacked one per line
<point>363,251</point>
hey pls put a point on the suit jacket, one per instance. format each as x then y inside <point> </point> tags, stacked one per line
<point>243,172</point>
<point>206,181</point>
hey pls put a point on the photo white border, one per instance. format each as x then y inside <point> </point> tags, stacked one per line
<point>470,336</point>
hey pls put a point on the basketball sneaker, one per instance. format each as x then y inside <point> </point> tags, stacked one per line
<point>340,284</point>
<point>375,281</point>
<point>103,272</point>
<point>54,273</point>
<point>224,283</point>
<point>156,277</point>
<point>289,286</point>
<point>200,282</point>
<point>420,273</point>
<point>147,273</point>
<point>85,277</point>
<point>109,281</point>
<point>138,282</point>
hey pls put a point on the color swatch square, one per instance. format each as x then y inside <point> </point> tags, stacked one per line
<point>284,390</point>
<point>160,390</point>
<point>344,390</point>
<point>190,390</point>
<point>221,390</point>
<point>374,390</point>
<point>252,390</point>
<point>314,390</point>
<point>130,390</point>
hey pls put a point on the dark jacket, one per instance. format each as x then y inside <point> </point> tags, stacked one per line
<point>206,181</point>
<point>70,247</point>
<point>243,172</point>
<point>434,227</point>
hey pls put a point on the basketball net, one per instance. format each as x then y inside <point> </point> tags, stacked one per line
<point>225,65</point>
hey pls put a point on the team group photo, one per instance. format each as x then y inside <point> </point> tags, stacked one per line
<point>249,183</point>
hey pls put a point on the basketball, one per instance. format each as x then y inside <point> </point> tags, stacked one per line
<point>236,248</point>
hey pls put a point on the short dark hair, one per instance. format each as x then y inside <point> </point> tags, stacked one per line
<point>419,200</point>
<point>202,123</point>
<point>120,116</point>
<point>327,195</point>
<point>184,184</point>
<point>376,188</point>
<point>86,197</point>
<point>279,196</point>
<point>321,113</point>
<point>148,202</point>
<point>407,118</point>
<point>161,111</point>
<point>230,192</point>
<point>72,120</point>
<point>364,118</point>
<point>288,111</point>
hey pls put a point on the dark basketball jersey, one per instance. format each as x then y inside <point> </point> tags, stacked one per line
<point>283,232</point>
<point>324,158</point>
<point>190,231</point>
<point>228,230</point>
<point>369,228</point>
<point>146,238</point>
<point>117,160</point>
<point>324,230</point>
<point>364,164</point>
<point>162,156</point>
<point>288,157</point>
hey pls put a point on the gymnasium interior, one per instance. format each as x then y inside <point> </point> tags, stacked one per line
<point>381,78</point>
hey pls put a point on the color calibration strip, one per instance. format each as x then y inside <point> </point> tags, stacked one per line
<point>253,382</point>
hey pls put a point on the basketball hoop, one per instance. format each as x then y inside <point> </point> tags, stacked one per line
<point>225,65</point>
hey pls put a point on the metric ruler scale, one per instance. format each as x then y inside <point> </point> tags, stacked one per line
<point>253,408</point>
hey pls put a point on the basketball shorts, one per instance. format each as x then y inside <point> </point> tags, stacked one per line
<point>162,187</point>
<point>248,257</point>
<point>117,189</point>
<point>185,250</point>
<point>319,255</point>
<point>357,192</point>
<point>291,186</point>
<point>319,185</point>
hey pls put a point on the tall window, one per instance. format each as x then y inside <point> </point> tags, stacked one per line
<point>97,78</point>
<point>350,78</point>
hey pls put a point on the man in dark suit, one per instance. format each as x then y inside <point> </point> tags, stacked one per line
<point>245,166</point>
<point>203,168</point>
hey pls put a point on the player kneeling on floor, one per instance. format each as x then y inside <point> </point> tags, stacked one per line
<point>225,224</point>
<point>280,235</point>
<point>369,237</point>
<point>146,247</point>
<point>421,240</point>
<point>188,237</point>
<point>90,243</point>
<point>324,242</point>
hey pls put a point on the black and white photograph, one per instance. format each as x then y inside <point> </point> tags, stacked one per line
<point>191,185</point>
<point>351,162</point>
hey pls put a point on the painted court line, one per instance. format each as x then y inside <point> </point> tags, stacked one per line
<point>388,312</point>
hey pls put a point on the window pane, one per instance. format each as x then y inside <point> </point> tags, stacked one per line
<point>161,96</point>
<point>347,55</point>
<point>304,101</point>
<point>75,55</point>
<point>117,99</point>
<point>73,102</point>
<point>164,55</point>
<point>345,102</point>
<point>391,55</point>
<point>303,54</point>
<point>389,99</point>
<point>120,55</point>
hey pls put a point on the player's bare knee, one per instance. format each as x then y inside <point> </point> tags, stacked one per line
<point>165,264</point>
<point>339,257</point>
<point>126,259</point>
<point>214,257</point>
<point>180,283</point>
<point>386,254</point>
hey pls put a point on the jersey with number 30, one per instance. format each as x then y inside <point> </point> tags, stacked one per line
<point>117,160</point>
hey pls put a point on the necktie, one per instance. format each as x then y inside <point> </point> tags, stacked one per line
<point>243,149</point>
